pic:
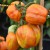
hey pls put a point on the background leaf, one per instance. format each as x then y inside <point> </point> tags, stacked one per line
<point>48,21</point>
<point>9,1</point>
<point>47,5</point>
<point>48,31</point>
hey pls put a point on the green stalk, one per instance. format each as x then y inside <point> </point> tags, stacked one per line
<point>32,48</point>
<point>13,22</point>
<point>36,1</point>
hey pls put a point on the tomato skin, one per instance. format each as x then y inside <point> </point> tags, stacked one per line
<point>12,12</point>
<point>36,14</point>
<point>2,38</point>
<point>27,36</point>
<point>3,44</point>
<point>37,31</point>
<point>11,40</point>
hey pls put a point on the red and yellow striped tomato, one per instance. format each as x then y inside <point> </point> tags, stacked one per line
<point>11,41</point>
<point>28,36</point>
<point>36,29</point>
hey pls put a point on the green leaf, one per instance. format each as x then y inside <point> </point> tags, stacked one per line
<point>13,22</point>
<point>47,5</point>
<point>1,1</point>
<point>48,21</point>
<point>45,32</point>
<point>27,1</point>
<point>48,31</point>
<point>9,1</point>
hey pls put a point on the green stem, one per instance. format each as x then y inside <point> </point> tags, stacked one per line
<point>20,22</point>
<point>35,1</point>
<point>32,48</point>
<point>29,4</point>
<point>12,22</point>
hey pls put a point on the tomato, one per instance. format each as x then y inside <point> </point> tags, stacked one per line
<point>13,12</point>
<point>37,31</point>
<point>11,40</point>
<point>27,36</point>
<point>36,14</point>
<point>3,44</point>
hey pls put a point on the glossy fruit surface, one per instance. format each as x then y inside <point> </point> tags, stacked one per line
<point>13,12</point>
<point>11,41</point>
<point>3,44</point>
<point>36,14</point>
<point>27,36</point>
<point>36,29</point>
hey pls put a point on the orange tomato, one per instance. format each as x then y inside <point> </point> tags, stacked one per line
<point>12,12</point>
<point>3,44</point>
<point>37,31</point>
<point>27,36</point>
<point>36,14</point>
<point>11,40</point>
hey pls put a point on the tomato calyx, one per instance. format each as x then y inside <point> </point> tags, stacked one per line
<point>21,22</point>
<point>19,6</point>
<point>23,13</point>
<point>29,4</point>
<point>12,28</point>
<point>22,9</point>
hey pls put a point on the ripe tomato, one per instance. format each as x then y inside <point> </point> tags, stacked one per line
<point>27,36</point>
<point>12,12</point>
<point>3,44</point>
<point>36,14</point>
<point>11,40</point>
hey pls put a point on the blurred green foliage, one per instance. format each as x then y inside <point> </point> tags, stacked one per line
<point>47,5</point>
<point>47,24</point>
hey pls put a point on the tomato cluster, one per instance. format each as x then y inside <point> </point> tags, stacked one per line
<point>25,35</point>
